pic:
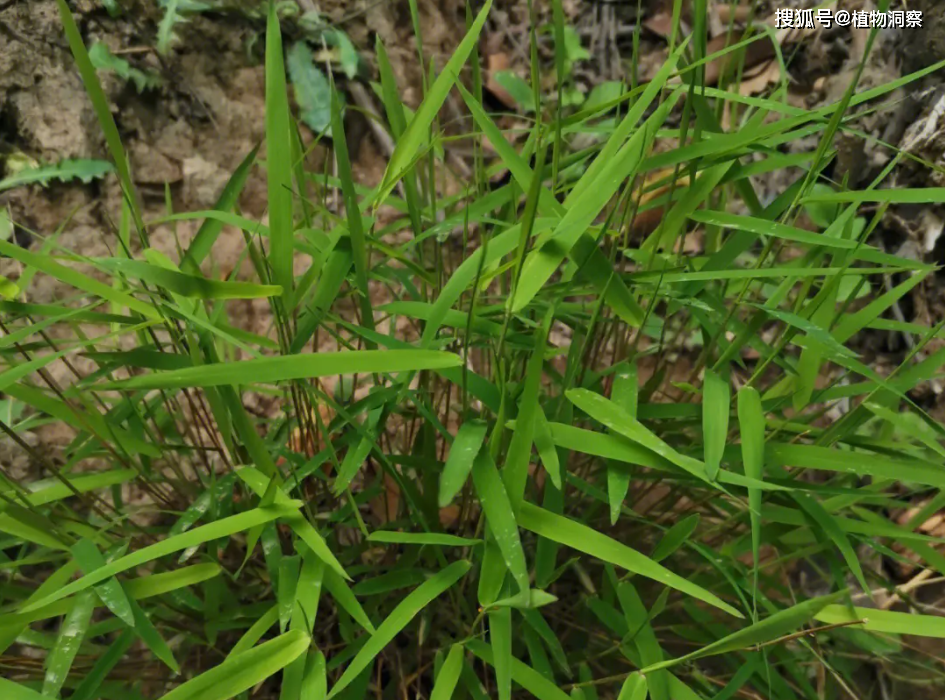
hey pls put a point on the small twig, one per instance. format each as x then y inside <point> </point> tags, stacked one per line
<point>132,50</point>
<point>366,104</point>
<point>809,633</point>
<point>917,581</point>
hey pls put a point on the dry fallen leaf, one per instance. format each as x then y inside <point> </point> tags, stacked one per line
<point>495,63</point>
<point>660,24</point>
<point>725,12</point>
<point>769,74</point>
<point>646,221</point>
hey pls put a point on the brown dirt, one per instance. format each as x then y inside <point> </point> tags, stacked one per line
<point>190,134</point>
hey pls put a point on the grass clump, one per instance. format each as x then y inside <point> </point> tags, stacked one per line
<point>513,488</point>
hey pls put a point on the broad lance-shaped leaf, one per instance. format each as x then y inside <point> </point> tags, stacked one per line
<point>751,426</point>
<point>357,455</point>
<point>52,490</point>
<point>643,637</point>
<point>543,629</point>
<point>596,187</point>
<point>67,645</point>
<point>418,128</point>
<point>88,688</point>
<point>336,586</point>
<point>243,671</point>
<point>903,469</point>
<point>523,674</point>
<point>771,228</point>
<point>185,285</point>
<point>304,613</point>
<point>619,448</point>
<point>771,628</point>
<point>716,407</point>
<point>137,589</point>
<point>463,451</point>
<point>518,457</point>
<point>620,421</point>
<point>278,166</point>
<point>500,516</point>
<point>399,618</point>
<point>212,531</point>
<point>148,633</point>
<point>48,265</point>
<point>547,452</point>
<point>584,539</point>
<point>885,621</point>
<point>675,537</point>
<point>259,483</point>
<point>449,674</point>
<point>102,108</point>
<point>624,393</point>
<point>500,636</point>
<point>315,680</point>
<point>421,538</point>
<point>286,367</point>
<point>825,521</point>
<point>109,592</point>
<point>634,688</point>
<point>14,691</point>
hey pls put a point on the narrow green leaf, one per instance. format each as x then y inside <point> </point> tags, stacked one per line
<point>751,426</point>
<point>771,228</point>
<point>190,286</point>
<point>110,592</point>
<point>344,596</point>
<point>547,452</point>
<point>620,421</point>
<point>70,638</point>
<point>286,367</point>
<point>206,533</point>
<point>825,522</point>
<point>515,471</point>
<point>88,688</point>
<point>278,160</point>
<point>421,538</point>
<point>418,128</point>
<point>459,463</point>
<point>500,516</point>
<point>524,675</point>
<point>209,230</point>
<point>15,691</point>
<point>399,618</point>
<point>635,688</point>
<point>243,671</point>
<point>500,637</point>
<point>625,395</point>
<point>716,408</point>
<point>675,537</point>
<point>74,278</point>
<point>771,628</point>
<point>885,621</point>
<point>582,538</point>
<point>446,680</point>
<point>101,107</point>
